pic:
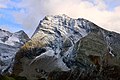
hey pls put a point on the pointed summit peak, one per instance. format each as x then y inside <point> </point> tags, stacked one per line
<point>62,15</point>
<point>50,17</point>
<point>20,32</point>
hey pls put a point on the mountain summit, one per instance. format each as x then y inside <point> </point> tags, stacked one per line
<point>63,48</point>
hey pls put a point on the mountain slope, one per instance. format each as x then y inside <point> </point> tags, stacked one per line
<point>63,48</point>
<point>9,45</point>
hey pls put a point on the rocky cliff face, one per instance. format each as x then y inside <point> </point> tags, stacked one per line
<point>63,48</point>
<point>9,45</point>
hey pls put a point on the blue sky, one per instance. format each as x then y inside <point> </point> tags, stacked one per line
<point>26,14</point>
<point>112,4</point>
<point>7,18</point>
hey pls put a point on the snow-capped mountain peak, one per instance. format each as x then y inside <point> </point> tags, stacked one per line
<point>9,45</point>
<point>63,48</point>
<point>13,39</point>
